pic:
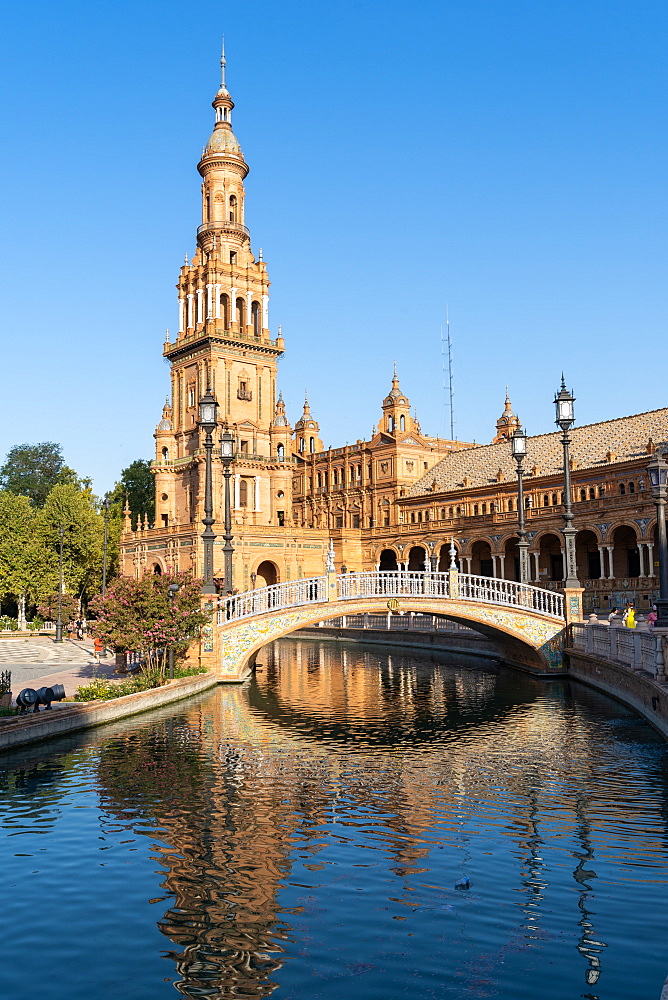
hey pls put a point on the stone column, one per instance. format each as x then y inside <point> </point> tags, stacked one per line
<point>611,567</point>
<point>601,560</point>
<point>189,321</point>
<point>256,500</point>
<point>641,553</point>
<point>209,301</point>
<point>237,483</point>
<point>200,305</point>
<point>182,315</point>
<point>650,556</point>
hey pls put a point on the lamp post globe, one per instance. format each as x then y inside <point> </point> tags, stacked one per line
<point>207,422</point>
<point>227,455</point>
<point>518,448</point>
<point>564,418</point>
<point>657,471</point>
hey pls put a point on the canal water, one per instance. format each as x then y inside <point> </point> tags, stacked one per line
<point>303,837</point>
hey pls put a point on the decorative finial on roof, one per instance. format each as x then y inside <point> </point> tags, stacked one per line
<point>259,254</point>
<point>395,377</point>
<point>185,258</point>
<point>329,562</point>
<point>563,381</point>
<point>223,63</point>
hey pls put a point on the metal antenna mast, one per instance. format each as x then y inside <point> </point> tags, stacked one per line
<point>451,393</point>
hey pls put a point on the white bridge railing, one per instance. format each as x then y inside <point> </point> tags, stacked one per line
<point>398,583</point>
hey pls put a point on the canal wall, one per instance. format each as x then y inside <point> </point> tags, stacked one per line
<point>450,642</point>
<point>68,717</point>
<point>635,688</point>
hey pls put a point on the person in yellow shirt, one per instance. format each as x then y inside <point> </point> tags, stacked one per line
<point>630,617</point>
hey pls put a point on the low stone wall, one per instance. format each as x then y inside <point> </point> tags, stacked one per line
<point>67,718</point>
<point>635,688</point>
<point>453,642</point>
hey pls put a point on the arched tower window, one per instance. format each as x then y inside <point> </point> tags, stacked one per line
<point>208,208</point>
<point>165,454</point>
<point>225,310</point>
<point>311,445</point>
<point>243,493</point>
<point>402,423</point>
<point>255,319</point>
<point>301,444</point>
<point>280,452</point>
<point>233,208</point>
<point>622,489</point>
<point>241,314</point>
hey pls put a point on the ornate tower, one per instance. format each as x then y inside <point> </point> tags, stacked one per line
<point>223,343</point>
<point>507,423</point>
<point>307,429</point>
<point>396,417</point>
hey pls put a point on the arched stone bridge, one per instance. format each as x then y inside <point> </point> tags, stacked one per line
<point>528,622</point>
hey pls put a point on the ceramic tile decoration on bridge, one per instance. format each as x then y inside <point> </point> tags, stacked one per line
<point>528,621</point>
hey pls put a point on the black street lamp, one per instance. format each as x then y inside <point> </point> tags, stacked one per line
<point>172,591</point>
<point>208,423</point>
<point>105,508</point>
<point>563,402</point>
<point>518,444</point>
<point>227,456</point>
<point>59,619</point>
<point>657,471</point>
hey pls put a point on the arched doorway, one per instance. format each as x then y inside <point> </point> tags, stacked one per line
<point>157,569</point>
<point>482,563</point>
<point>550,559</point>
<point>587,556</point>
<point>388,561</point>
<point>444,558</point>
<point>267,574</point>
<point>416,559</point>
<point>625,554</point>
<point>511,560</point>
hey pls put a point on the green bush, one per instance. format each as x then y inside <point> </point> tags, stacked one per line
<point>8,624</point>
<point>36,624</point>
<point>104,688</point>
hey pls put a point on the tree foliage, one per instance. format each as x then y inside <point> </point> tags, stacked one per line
<point>32,470</point>
<point>27,566</point>
<point>139,615</point>
<point>137,483</point>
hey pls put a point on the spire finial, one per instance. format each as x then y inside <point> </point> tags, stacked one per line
<point>395,377</point>
<point>563,381</point>
<point>222,65</point>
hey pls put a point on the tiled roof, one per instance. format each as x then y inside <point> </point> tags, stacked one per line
<point>625,438</point>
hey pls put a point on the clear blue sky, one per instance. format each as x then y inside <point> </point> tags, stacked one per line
<point>505,158</point>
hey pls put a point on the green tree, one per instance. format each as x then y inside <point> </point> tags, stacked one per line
<point>139,615</point>
<point>77,512</point>
<point>32,470</point>
<point>28,568</point>
<point>137,483</point>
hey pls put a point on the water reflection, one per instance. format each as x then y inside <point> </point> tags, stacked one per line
<point>309,829</point>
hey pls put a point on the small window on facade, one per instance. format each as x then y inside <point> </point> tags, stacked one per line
<point>165,454</point>
<point>483,509</point>
<point>511,505</point>
<point>459,512</point>
<point>632,487</point>
<point>592,493</point>
<point>338,520</point>
<point>546,501</point>
<point>356,520</point>
<point>243,491</point>
<point>301,444</point>
<point>191,397</point>
<point>412,517</point>
<point>475,509</point>
<point>280,452</point>
<point>583,494</point>
<point>311,445</point>
<point>233,256</point>
<point>554,499</point>
<point>402,423</point>
<point>442,513</point>
<point>280,514</point>
<point>243,447</point>
<point>601,491</point>
<point>622,489</point>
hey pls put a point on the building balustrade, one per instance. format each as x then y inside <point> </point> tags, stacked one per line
<point>224,226</point>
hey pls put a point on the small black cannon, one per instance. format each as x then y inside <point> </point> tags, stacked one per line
<point>29,698</point>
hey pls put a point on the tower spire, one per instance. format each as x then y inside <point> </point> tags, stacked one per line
<point>223,64</point>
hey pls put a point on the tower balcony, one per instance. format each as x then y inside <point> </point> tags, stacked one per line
<point>206,232</point>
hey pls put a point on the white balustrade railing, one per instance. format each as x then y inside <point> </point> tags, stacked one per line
<point>292,594</point>
<point>398,583</point>
<point>632,647</point>
<point>392,583</point>
<point>491,590</point>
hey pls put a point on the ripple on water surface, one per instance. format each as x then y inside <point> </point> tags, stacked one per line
<point>303,835</point>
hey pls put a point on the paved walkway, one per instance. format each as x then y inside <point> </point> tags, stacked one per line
<point>41,662</point>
